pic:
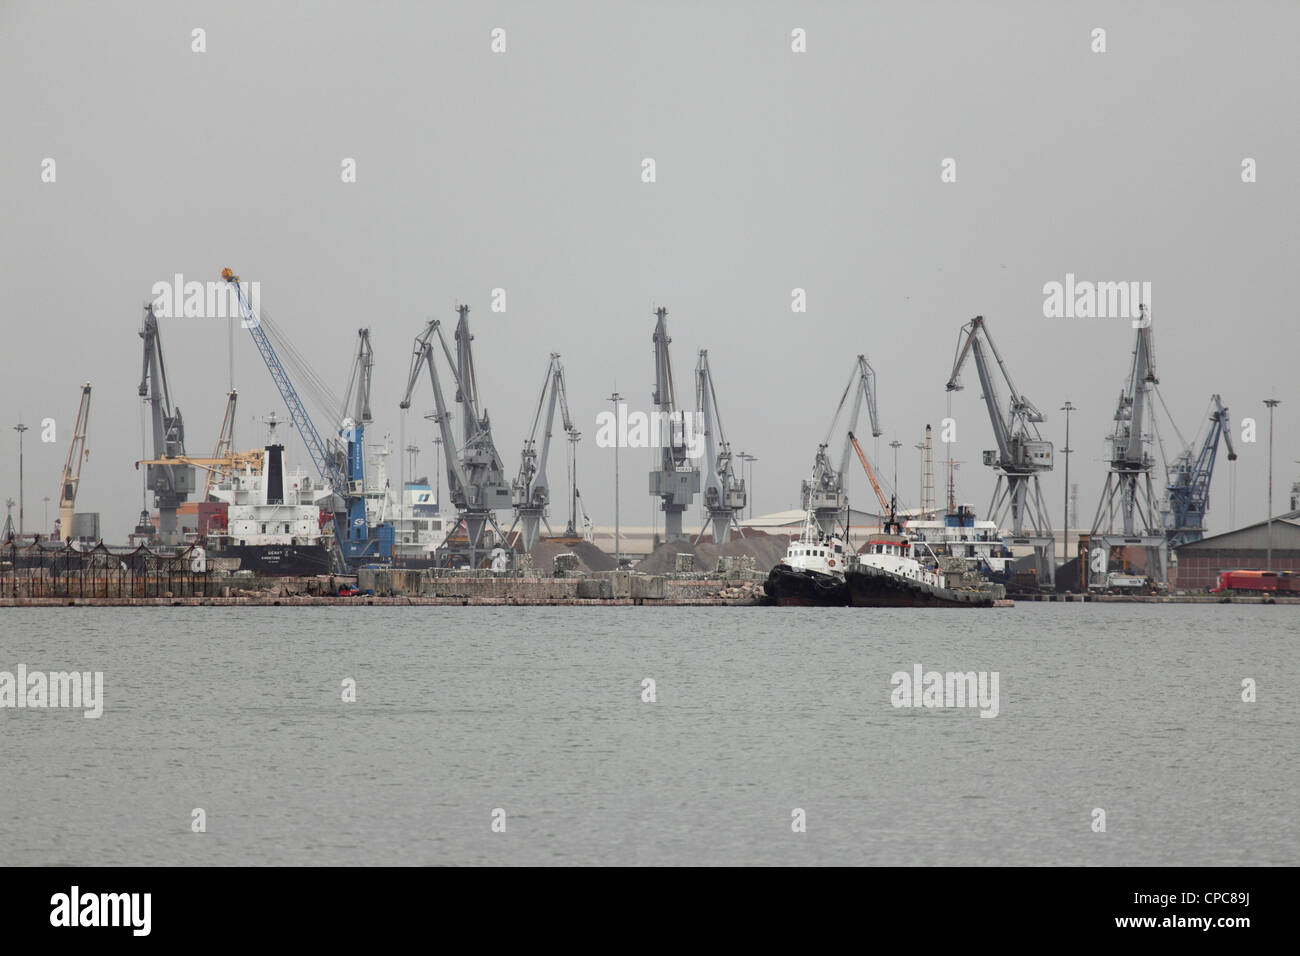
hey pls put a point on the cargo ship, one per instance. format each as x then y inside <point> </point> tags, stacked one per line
<point>268,523</point>
<point>894,570</point>
<point>812,572</point>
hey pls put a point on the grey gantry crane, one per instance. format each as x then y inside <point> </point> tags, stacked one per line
<point>825,494</point>
<point>170,484</point>
<point>531,492</point>
<point>724,491</point>
<point>676,481</point>
<point>475,476</point>
<point>1128,513</point>
<point>1021,456</point>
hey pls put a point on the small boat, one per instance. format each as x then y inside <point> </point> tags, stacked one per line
<point>812,572</point>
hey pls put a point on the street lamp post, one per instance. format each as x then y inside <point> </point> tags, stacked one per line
<point>574,436</point>
<point>20,428</point>
<point>750,487</point>
<point>1065,544</point>
<point>616,398</point>
<point>895,444</point>
<point>1272,403</point>
<point>437,458</point>
<point>749,460</point>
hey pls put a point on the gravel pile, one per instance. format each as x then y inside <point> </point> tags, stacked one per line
<point>589,556</point>
<point>765,549</point>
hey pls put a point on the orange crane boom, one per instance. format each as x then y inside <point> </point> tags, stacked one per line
<point>866,466</point>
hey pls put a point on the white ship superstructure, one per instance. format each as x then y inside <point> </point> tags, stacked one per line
<point>273,520</point>
<point>961,535</point>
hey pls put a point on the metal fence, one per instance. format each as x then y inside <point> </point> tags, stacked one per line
<point>55,570</point>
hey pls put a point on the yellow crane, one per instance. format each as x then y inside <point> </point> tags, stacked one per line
<point>225,439</point>
<point>222,464</point>
<point>77,453</point>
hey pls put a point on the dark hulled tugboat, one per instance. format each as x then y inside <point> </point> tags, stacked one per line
<point>812,572</point>
<point>893,570</point>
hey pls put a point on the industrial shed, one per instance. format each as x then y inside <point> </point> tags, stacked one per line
<point>1199,562</point>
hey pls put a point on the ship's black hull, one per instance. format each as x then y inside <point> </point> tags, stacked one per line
<point>871,587</point>
<point>279,560</point>
<point>789,587</point>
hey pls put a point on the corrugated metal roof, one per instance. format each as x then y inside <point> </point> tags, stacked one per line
<point>1286,534</point>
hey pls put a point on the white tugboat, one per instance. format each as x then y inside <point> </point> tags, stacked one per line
<point>812,571</point>
<point>895,570</point>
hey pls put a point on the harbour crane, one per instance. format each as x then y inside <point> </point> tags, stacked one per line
<point>1187,497</point>
<point>362,541</point>
<point>327,464</point>
<point>1127,514</point>
<point>825,494</point>
<point>71,479</point>
<point>475,476</point>
<point>531,492</point>
<point>676,481</point>
<point>724,490</point>
<point>1022,453</point>
<point>170,484</point>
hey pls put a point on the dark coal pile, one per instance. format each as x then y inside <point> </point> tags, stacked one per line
<point>589,556</point>
<point>765,549</point>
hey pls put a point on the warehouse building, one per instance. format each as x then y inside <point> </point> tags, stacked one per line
<point>1200,562</point>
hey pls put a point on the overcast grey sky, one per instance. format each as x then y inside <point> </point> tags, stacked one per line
<point>775,170</point>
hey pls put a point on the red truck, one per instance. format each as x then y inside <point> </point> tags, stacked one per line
<point>1257,582</point>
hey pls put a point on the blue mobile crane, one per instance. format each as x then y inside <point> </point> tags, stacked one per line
<point>363,542</point>
<point>1188,493</point>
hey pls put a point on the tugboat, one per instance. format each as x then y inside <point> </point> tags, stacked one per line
<point>894,570</point>
<point>812,572</point>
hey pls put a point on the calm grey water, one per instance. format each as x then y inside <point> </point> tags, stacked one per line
<point>538,711</point>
